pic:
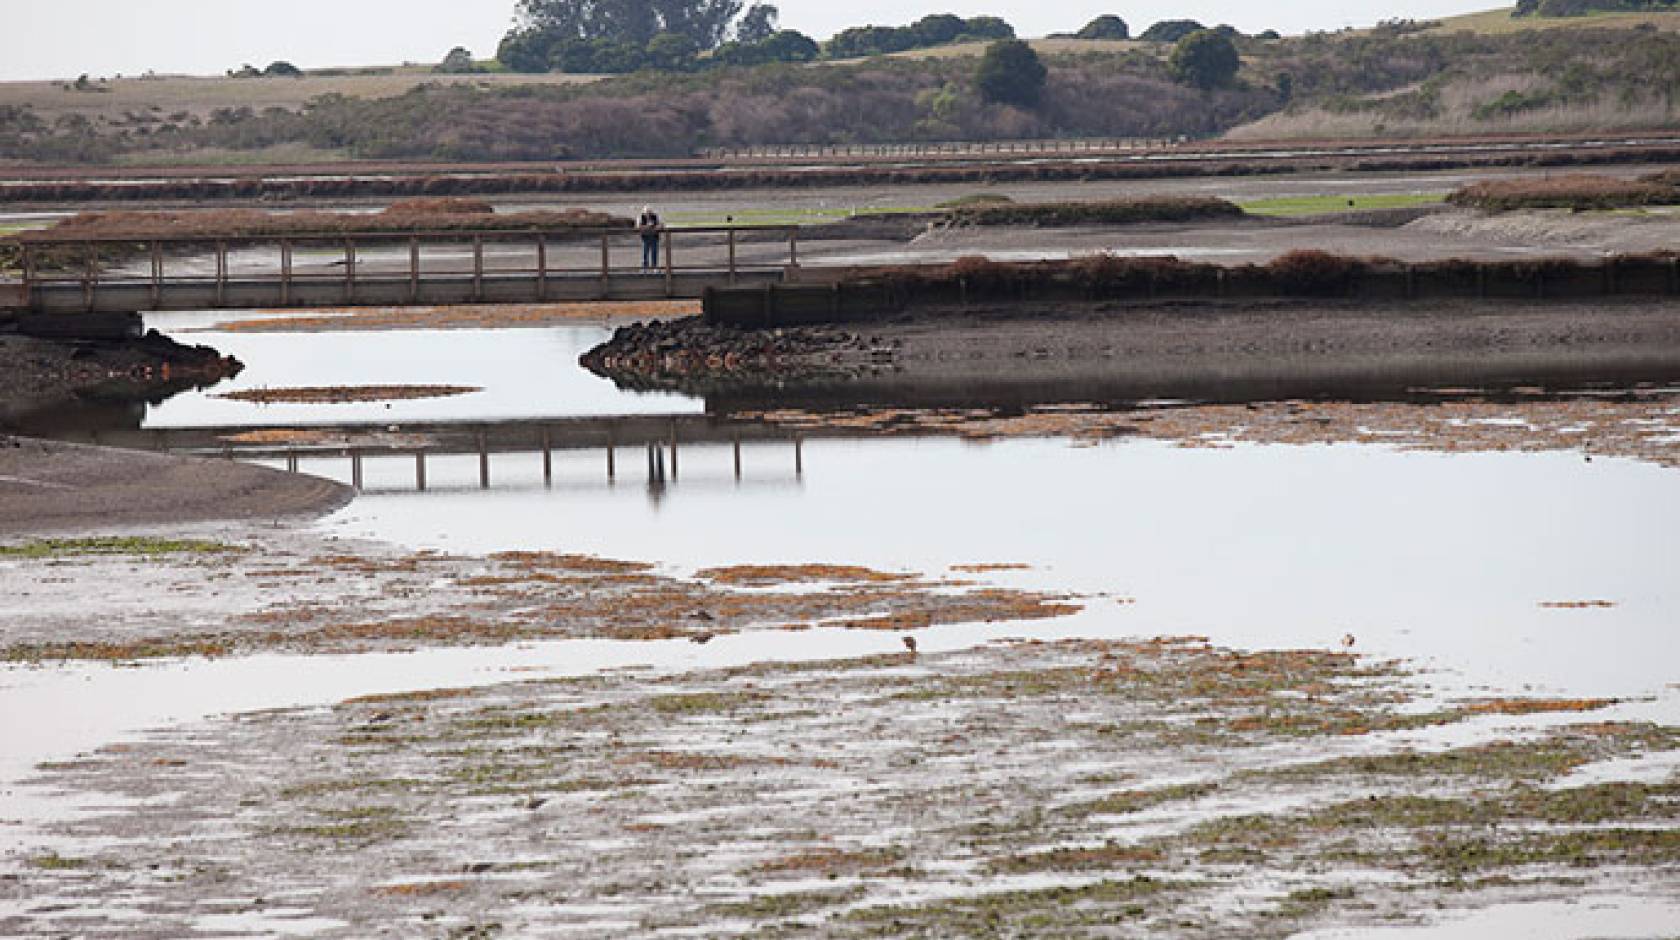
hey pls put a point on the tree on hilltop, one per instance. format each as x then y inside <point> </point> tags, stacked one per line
<point>1107,26</point>
<point>1171,30</point>
<point>459,61</point>
<point>1011,73</point>
<point>757,24</point>
<point>1206,59</point>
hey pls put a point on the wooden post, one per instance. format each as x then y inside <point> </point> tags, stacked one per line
<point>673,449</point>
<point>798,455</point>
<point>612,458</point>
<point>29,273</point>
<point>483,461</point>
<point>548,459</point>
<point>732,256</point>
<point>91,276</point>
<point>606,264</point>
<point>793,247</point>
<point>356,469</point>
<point>285,272</point>
<point>349,271</point>
<point>478,268</point>
<point>414,271</point>
<point>737,456</point>
<point>157,274</point>
<point>221,273</point>
<point>670,263</point>
<point>542,267</point>
<point>420,470</point>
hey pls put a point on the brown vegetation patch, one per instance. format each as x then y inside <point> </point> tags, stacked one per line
<point>1101,212</point>
<point>578,564</point>
<point>410,216</point>
<point>419,889</point>
<point>1537,706</point>
<point>1577,605</point>
<point>347,394</point>
<point>832,863</point>
<point>987,567</point>
<point>764,575</point>
<point>1644,427</point>
<point>1576,191</point>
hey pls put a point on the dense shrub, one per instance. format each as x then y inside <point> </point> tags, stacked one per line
<point>1011,73</point>
<point>1107,26</point>
<point>1171,30</point>
<point>1205,59</point>
<point>1109,212</point>
<point>1567,192</point>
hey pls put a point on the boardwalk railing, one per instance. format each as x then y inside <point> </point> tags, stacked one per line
<point>127,273</point>
<point>950,148</point>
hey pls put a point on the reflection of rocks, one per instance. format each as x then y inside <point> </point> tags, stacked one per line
<point>36,374</point>
<point>691,355</point>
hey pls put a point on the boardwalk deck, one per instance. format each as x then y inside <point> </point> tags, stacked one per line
<point>131,274</point>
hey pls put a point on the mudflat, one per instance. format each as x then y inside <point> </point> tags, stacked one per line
<point>48,487</point>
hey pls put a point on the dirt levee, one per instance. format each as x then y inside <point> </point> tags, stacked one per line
<point>47,486</point>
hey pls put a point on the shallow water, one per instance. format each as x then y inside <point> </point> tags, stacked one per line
<point>524,373</point>
<point>1444,559</point>
<point>1593,917</point>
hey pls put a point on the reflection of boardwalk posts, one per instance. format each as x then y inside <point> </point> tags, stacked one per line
<point>348,449</point>
<point>125,274</point>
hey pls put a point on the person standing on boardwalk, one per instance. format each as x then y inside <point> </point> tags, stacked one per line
<point>648,224</point>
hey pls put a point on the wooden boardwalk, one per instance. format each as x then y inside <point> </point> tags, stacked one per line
<point>126,274</point>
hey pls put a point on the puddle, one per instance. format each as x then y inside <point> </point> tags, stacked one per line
<point>1599,917</point>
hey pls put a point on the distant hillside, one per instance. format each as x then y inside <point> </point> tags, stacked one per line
<point>1493,72</point>
<point>1505,20</point>
<point>1486,73</point>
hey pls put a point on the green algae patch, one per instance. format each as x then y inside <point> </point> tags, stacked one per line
<point>142,546</point>
<point>1019,913</point>
<point>1136,801</point>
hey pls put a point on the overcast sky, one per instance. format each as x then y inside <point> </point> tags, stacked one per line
<point>65,38</point>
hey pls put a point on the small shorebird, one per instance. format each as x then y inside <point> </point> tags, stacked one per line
<point>1348,641</point>
<point>910,644</point>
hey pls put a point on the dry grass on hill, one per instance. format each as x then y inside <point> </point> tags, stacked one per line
<point>199,95</point>
<point>1500,22</point>
<point>409,215</point>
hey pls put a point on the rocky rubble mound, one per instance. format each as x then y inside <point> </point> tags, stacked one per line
<point>690,350</point>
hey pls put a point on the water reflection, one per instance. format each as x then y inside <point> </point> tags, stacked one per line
<point>1441,558</point>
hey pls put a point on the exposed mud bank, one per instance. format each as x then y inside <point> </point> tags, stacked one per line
<point>1018,789</point>
<point>35,373</point>
<point>46,486</point>
<point>1030,353</point>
